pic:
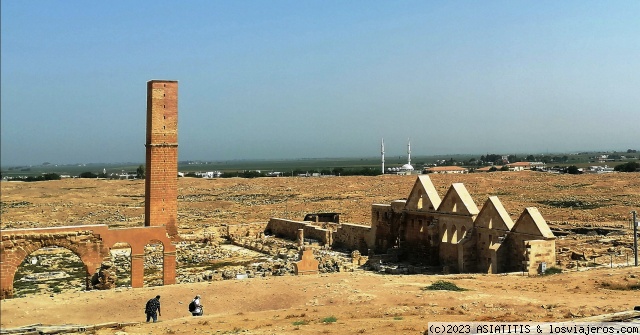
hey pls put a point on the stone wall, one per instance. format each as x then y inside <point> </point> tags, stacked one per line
<point>289,229</point>
<point>353,237</point>
<point>254,230</point>
<point>527,255</point>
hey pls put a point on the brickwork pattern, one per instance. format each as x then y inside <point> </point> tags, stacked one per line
<point>91,243</point>
<point>161,187</point>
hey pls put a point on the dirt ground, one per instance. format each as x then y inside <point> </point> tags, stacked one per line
<point>362,302</point>
<point>600,199</point>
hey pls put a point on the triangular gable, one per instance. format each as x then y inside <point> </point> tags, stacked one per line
<point>532,223</point>
<point>423,195</point>
<point>458,200</point>
<point>494,216</point>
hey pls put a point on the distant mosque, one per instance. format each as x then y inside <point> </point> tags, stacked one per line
<point>405,169</point>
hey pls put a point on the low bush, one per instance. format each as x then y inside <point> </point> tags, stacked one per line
<point>621,287</point>
<point>552,271</point>
<point>329,319</point>
<point>442,285</point>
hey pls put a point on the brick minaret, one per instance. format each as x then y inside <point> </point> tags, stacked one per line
<point>161,184</point>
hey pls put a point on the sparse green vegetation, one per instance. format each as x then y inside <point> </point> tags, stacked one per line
<point>442,285</point>
<point>552,270</point>
<point>627,167</point>
<point>300,323</point>
<point>329,319</point>
<point>621,287</point>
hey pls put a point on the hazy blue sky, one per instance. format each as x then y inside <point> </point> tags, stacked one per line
<point>293,79</point>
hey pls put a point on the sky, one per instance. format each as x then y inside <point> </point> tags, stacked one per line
<point>312,79</point>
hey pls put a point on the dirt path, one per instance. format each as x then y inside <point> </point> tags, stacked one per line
<point>362,302</point>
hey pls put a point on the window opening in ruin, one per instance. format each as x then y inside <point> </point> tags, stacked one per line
<point>463,232</point>
<point>121,262</point>
<point>490,240</point>
<point>154,264</point>
<point>444,233</point>
<point>419,199</point>
<point>50,270</point>
<point>454,234</point>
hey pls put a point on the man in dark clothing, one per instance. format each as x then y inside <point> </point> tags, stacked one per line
<point>153,306</point>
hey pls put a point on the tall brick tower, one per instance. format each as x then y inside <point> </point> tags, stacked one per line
<point>161,184</point>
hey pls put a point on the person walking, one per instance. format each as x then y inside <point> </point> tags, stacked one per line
<point>152,309</point>
<point>195,307</point>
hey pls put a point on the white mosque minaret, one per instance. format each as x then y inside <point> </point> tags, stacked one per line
<point>408,167</point>
<point>382,153</point>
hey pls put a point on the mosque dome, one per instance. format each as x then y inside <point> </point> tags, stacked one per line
<point>407,167</point>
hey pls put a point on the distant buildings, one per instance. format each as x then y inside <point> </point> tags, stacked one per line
<point>446,169</point>
<point>406,169</point>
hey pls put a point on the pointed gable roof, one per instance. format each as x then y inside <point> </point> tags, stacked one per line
<point>494,216</point>
<point>458,200</point>
<point>532,223</point>
<point>423,195</point>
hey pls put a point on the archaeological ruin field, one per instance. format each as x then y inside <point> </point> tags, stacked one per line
<point>589,214</point>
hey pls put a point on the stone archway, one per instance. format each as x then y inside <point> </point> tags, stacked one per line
<point>90,243</point>
<point>49,270</point>
<point>16,248</point>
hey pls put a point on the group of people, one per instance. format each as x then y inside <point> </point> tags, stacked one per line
<point>152,309</point>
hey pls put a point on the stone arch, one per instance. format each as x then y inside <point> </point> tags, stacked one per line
<point>463,232</point>
<point>154,251</point>
<point>54,267</point>
<point>15,250</point>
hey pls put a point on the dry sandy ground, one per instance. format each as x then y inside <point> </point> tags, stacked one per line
<point>203,203</point>
<point>362,302</point>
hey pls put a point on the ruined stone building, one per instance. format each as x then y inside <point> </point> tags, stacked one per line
<point>450,232</point>
<point>92,243</point>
